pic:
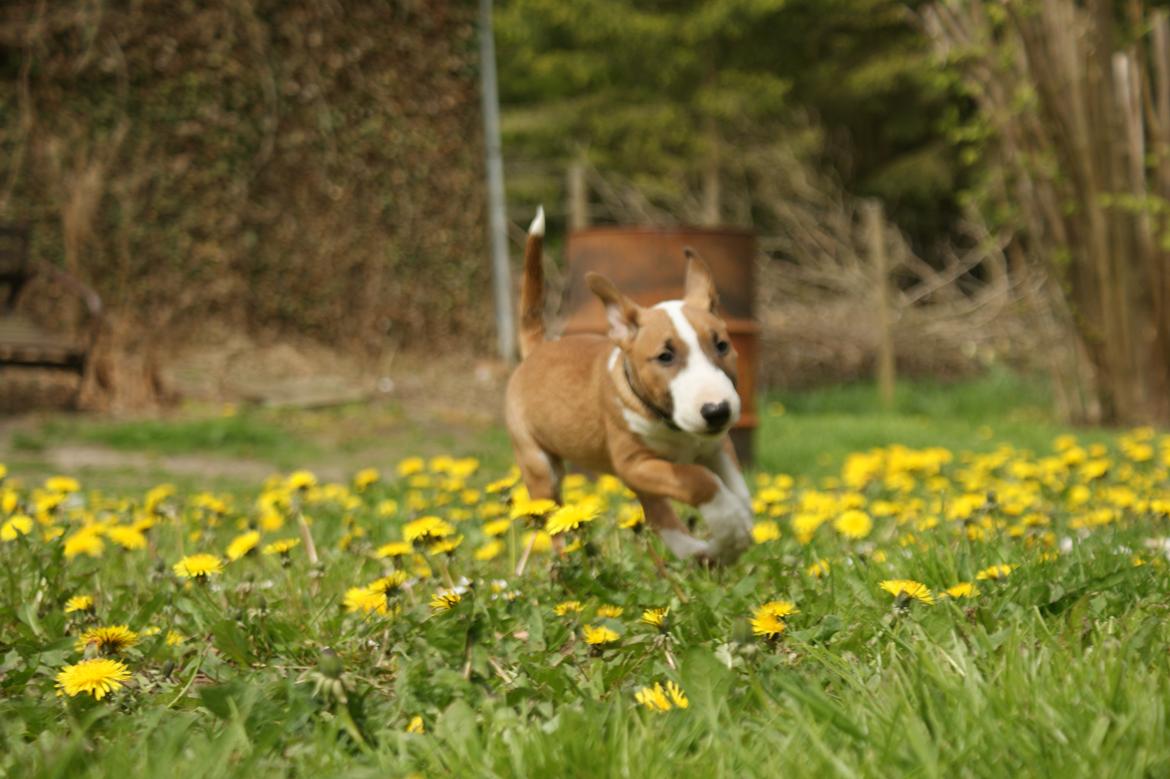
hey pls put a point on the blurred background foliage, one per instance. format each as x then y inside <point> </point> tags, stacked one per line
<point>644,89</point>
<point>313,170</point>
<point>305,167</point>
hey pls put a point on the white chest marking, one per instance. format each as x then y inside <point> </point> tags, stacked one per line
<point>675,445</point>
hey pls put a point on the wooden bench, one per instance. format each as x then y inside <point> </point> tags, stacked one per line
<point>23,342</point>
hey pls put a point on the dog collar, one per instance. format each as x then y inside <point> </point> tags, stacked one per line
<point>645,401</point>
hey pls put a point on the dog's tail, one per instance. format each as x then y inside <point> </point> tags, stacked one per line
<point>532,288</point>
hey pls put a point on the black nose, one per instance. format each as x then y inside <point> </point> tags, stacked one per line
<point>716,414</point>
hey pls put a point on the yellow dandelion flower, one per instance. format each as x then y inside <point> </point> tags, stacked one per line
<point>79,603</point>
<point>567,607</point>
<point>995,572</point>
<point>391,581</point>
<point>62,484</point>
<point>531,508</point>
<point>489,551</point>
<point>962,590</point>
<point>300,480</point>
<point>126,536</point>
<point>109,639</point>
<point>677,696</point>
<point>281,546</point>
<point>768,619</point>
<point>175,638</point>
<point>98,677</point>
<point>631,516</point>
<point>818,569</point>
<point>497,527</point>
<point>653,698</point>
<point>243,544</point>
<point>853,524</point>
<point>416,724</point>
<point>765,531</point>
<point>87,541</point>
<point>198,566</point>
<point>445,600</point>
<point>779,608</point>
<point>426,529</point>
<point>540,541</point>
<point>446,546</point>
<point>393,549</point>
<point>365,600</point>
<point>596,636</point>
<point>656,618</point>
<point>17,526</point>
<point>410,466</point>
<point>610,612</point>
<point>768,625</point>
<point>157,496</point>
<point>571,516</point>
<point>365,477</point>
<point>908,589</point>
<point>502,485</point>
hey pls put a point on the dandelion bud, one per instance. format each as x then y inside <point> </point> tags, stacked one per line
<point>330,664</point>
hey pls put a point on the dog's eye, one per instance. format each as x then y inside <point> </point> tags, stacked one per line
<point>665,357</point>
<point>721,346</point>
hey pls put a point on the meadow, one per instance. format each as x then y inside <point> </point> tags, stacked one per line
<point>959,587</point>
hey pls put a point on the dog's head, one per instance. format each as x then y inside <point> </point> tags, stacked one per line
<point>678,353</point>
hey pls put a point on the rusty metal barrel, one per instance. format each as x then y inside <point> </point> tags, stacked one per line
<point>647,263</point>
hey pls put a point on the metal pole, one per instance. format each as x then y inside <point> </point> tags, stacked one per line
<point>501,270</point>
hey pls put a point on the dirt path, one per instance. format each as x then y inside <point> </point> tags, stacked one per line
<point>71,458</point>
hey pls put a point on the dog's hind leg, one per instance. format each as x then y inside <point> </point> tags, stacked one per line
<point>661,516</point>
<point>542,475</point>
<point>541,472</point>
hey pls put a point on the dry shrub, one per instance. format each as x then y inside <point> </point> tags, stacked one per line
<point>305,167</point>
<point>817,299</point>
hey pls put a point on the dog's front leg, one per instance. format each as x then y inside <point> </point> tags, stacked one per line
<point>724,511</point>
<point>731,531</point>
<point>660,515</point>
<point>725,465</point>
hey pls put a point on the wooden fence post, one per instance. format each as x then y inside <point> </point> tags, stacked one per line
<point>578,196</point>
<point>875,233</point>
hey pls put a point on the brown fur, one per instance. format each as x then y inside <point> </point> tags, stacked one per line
<point>532,295</point>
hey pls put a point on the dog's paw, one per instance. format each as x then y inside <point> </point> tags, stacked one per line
<point>683,545</point>
<point>730,521</point>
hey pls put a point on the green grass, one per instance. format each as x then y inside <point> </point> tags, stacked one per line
<point>1059,669</point>
<point>810,432</point>
<point>246,434</point>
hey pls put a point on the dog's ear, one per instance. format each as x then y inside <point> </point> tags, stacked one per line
<point>700,287</point>
<point>623,314</point>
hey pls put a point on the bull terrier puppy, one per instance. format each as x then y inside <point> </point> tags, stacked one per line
<point>650,403</point>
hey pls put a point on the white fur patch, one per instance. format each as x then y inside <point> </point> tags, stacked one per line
<point>730,522</point>
<point>722,466</point>
<point>678,446</point>
<point>613,357</point>
<point>700,381</point>
<point>537,226</point>
<point>683,545</point>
